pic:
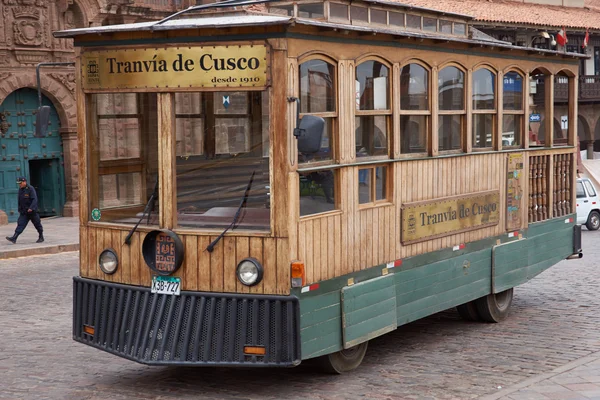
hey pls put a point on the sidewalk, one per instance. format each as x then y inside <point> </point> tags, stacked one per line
<point>61,234</point>
<point>579,379</point>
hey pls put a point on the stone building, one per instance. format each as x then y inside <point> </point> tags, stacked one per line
<point>26,39</point>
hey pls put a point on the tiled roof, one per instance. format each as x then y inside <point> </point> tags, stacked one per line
<point>514,12</point>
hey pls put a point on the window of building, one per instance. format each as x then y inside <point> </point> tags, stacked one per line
<point>460,29</point>
<point>287,9</point>
<point>561,110</point>
<point>413,21</point>
<point>429,24</point>
<point>512,114</point>
<point>373,185</point>
<point>311,10</point>
<point>338,11</point>
<point>396,19</point>
<point>359,14</point>
<point>445,26</point>
<point>415,112</point>
<point>484,108</point>
<point>452,112</point>
<point>373,109</point>
<point>378,16</point>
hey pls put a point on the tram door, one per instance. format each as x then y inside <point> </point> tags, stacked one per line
<point>39,159</point>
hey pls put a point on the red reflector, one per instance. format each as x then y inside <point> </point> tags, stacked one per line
<point>314,286</point>
<point>397,263</point>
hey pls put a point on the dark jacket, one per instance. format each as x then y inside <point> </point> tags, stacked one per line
<point>27,199</point>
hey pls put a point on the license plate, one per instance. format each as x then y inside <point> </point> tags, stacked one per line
<point>166,285</point>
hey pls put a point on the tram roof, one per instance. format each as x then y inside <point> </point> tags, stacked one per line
<point>238,19</point>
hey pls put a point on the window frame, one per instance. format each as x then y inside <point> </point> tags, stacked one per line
<point>492,111</point>
<point>521,112</point>
<point>372,169</point>
<point>462,113</point>
<point>426,113</point>
<point>388,113</point>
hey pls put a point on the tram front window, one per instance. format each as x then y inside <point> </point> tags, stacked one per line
<point>222,154</point>
<point>123,157</point>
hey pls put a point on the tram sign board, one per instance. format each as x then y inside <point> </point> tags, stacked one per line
<point>426,220</point>
<point>233,66</point>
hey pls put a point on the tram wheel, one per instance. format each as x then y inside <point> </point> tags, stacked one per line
<point>468,311</point>
<point>344,360</point>
<point>494,307</point>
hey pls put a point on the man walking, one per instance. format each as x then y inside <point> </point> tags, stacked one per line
<point>28,204</point>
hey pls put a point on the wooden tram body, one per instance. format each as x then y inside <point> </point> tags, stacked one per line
<point>365,267</point>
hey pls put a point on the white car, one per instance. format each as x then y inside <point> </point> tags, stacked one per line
<point>588,207</point>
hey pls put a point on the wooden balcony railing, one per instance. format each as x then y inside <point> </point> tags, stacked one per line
<point>589,89</point>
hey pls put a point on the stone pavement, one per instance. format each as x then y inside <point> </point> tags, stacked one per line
<point>579,379</point>
<point>61,234</point>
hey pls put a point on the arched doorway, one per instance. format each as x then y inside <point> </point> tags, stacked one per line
<point>38,159</point>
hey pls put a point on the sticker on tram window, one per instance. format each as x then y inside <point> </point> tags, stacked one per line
<point>96,214</point>
<point>226,101</point>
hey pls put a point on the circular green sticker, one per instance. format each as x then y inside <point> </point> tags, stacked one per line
<point>96,214</point>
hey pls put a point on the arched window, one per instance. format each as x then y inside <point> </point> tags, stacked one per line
<point>373,109</point>
<point>538,108</point>
<point>318,97</point>
<point>484,108</point>
<point>451,103</point>
<point>415,111</point>
<point>513,112</point>
<point>561,109</point>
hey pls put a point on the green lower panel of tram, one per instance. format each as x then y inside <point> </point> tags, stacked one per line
<point>337,316</point>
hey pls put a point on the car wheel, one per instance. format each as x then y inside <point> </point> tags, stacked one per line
<point>494,307</point>
<point>593,222</point>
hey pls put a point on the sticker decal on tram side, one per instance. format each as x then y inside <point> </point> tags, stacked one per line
<point>237,66</point>
<point>426,220</point>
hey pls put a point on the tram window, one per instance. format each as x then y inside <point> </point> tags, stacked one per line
<point>378,16</point>
<point>538,125</point>
<point>484,108</point>
<point>372,109</point>
<point>311,10</point>
<point>359,14</point>
<point>317,191</point>
<point>445,26</point>
<point>396,19</point>
<point>338,11</point>
<point>413,21</point>
<point>429,24</point>
<point>512,118</point>
<point>451,84</point>
<point>282,10</point>
<point>225,138</point>
<point>561,110</point>
<point>414,109</point>
<point>123,159</point>
<point>318,97</point>
<point>373,185</point>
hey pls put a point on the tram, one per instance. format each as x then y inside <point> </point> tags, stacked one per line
<point>268,182</point>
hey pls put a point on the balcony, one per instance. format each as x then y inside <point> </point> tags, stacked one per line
<point>589,89</point>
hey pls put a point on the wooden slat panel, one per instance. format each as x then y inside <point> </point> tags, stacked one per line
<point>203,264</point>
<point>117,245</point>
<point>135,254</point>
<point>190,266</point>
<point>125,258</point>
<point>216,267</point>
<point>324,242</point>
<point>92,258</point>
<point>256,251</point>
<point>337,246</point>
<point>230,262</point>
<point>270,265</point>
<point>84,252</point>
<point>283,267</point>
<point>145,272</point>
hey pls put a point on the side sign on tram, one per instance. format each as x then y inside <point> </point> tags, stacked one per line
<point>237,66</point>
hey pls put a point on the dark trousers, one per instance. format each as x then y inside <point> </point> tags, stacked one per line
<point>24,220</point>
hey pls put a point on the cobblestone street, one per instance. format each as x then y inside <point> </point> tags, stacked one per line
<point>553,321</point>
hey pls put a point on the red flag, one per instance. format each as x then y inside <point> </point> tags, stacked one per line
<point>561,37</point>
<point>586,39</point>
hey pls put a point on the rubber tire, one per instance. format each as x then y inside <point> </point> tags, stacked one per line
<point>593,222</point>
<point>344,360</point>
<point>494,307</point>
<point>468,311</point>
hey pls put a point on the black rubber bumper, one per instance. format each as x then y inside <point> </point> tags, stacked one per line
<point>195,328</point>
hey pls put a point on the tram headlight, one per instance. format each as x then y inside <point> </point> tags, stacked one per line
<point>108,261</point>
<point>249,271</point>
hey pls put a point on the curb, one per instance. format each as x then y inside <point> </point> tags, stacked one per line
<point>36,251</point>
